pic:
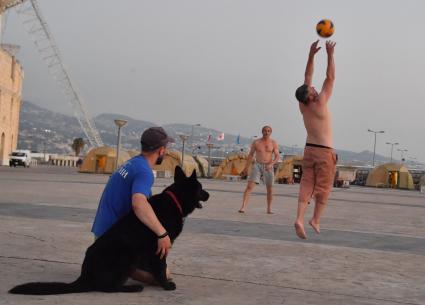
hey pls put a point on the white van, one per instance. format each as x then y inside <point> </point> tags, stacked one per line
<point>20,157</point>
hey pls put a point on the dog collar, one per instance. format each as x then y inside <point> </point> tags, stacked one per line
<point>175,200</point>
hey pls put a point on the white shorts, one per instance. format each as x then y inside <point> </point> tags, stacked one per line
<point>259,172</point>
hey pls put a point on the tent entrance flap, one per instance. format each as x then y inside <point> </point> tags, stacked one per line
<point>297,173</point>
<point>100,163</point>
<point>393,179</point>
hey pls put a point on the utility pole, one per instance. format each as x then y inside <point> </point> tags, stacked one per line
<point>183,137</point>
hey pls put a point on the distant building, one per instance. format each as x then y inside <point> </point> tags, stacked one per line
<point>11,76</point>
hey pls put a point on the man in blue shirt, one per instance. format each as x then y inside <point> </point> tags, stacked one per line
<point>129,187</point>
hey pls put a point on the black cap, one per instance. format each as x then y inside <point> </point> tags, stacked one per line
<point>153,138</point>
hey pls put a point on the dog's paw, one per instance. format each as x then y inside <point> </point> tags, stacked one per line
<point>169,285</point>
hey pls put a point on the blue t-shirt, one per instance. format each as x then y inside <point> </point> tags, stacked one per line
<point>134,176</point>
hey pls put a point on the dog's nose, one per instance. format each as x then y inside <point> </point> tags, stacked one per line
<point>205,195</point>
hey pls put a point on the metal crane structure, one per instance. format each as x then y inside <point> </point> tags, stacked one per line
<point>36,26</point>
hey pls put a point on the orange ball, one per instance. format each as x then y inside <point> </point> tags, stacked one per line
<point>325,28</point>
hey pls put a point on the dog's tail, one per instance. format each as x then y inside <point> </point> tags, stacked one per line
<point>38,288</point>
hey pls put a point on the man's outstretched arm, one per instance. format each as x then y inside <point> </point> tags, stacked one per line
<point>328,84</point>
<point>308,76</point>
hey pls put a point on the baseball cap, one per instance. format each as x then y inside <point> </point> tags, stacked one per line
<point>154,137</point>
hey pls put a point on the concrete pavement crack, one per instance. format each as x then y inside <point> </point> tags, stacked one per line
<point>39,260</point>
<point>241,282</point>
<point>30,236</point>
<point>296,288</point>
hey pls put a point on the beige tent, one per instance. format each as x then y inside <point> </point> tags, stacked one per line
<point>289,170</point>
<point>134,153</point>
<point>101,160</point>
<point>390,175</point>
<point>173,158</point>
<point>232,165</point>
<point>202,166</point>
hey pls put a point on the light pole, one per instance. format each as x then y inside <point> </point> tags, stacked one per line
<point>392,146</point>
<point>191,134</point>
<point>402,151</point>
<point>183,137</point>
<point>119,123</point>
<point>210,146</point>
<point>46,131</point>
<point>374,144</point>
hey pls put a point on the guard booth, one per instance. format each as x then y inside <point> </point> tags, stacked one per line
<point>344,176</point>
<point>361,176</point>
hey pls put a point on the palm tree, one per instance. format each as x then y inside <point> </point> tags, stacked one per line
<point>78,145</point>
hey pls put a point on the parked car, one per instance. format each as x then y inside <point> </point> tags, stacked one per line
<point>20,157</point>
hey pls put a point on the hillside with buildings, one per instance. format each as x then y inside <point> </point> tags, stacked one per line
<point>43,130</point>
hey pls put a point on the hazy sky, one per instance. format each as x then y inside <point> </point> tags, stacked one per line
<point>234,65</point>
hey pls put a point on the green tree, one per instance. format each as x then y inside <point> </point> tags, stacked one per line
<point>78,145</point>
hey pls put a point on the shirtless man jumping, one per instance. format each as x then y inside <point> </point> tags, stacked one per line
<point>319,162</point>
<point>264,149</point>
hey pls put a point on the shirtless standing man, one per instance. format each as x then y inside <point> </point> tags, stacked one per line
<point>319,162</point>
<point>264,149</point>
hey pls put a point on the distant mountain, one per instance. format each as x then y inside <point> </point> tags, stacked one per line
<point>43,130</point>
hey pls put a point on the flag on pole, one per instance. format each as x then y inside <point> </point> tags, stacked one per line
<point>209,138</point>
<point>238,139</point>
<point>220,137</point>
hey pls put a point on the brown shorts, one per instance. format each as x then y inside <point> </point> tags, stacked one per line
<point>318,173</point>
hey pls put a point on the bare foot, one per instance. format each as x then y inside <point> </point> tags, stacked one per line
<point>270,212</point>
<point>241,211</point>
<point>299,229</point>
<point>315,226</point>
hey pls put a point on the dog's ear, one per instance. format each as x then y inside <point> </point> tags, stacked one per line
<point>193,176</point>
<point>178,174</point>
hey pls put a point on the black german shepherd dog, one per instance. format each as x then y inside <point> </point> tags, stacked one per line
<point>129,244</point>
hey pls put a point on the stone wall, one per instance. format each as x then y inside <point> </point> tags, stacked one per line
<point>11,76</point>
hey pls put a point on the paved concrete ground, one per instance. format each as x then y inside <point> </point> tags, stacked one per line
<point>371,250</point>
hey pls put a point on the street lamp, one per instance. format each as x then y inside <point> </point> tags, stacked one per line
<point>183,137</point>
<point>210,146</point>
<point>374,144</point>
<point>392,146</point>
<point>191,134</point>
<point>119,123</point>
<point>402,151</point>
<point>46,131</point>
